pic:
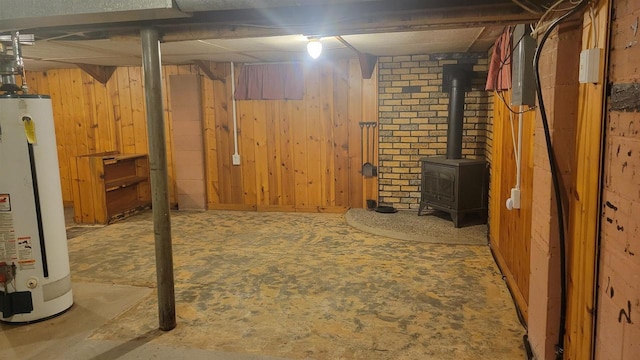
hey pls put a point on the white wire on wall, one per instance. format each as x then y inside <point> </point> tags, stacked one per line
<point>549,17</point>
<point>234,114</point>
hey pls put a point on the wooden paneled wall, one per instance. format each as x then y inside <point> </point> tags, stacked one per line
<point>91,117</point>
<point>295,154</point>
<point>510,230</point>
<point>301,155</point>
<point>585,203</point>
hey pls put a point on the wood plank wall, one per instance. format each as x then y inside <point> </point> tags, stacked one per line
<point>296,155</point>
<point>299,155</point>
<point>510,230</point>
<point>585,203</point>
<point>91,117</point>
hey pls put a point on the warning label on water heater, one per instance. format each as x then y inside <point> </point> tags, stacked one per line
<point>5,202</point>
<point>8,249</point>
<point>25,253</point>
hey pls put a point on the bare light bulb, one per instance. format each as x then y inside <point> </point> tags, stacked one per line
<point>314,48</point>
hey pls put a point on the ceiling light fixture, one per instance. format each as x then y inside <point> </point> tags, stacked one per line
<point>314,47</point>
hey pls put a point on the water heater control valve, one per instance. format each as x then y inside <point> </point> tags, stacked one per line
<point>7,272</point>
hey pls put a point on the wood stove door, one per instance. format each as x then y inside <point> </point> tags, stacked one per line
<point>439,185</point>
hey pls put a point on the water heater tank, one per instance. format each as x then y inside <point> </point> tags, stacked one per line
<point>35,278</point>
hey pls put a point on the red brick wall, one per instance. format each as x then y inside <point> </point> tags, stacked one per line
<point>618,312</point>
<point>413,120</point>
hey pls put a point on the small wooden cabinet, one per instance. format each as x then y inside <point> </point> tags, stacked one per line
<point>109,186</point>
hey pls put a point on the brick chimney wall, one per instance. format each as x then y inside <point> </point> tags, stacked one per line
<point>413,120</point>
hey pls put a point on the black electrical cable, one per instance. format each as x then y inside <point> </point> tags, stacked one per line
<point>553,163</point>
<point>527,347</point>
<point>513,297</point>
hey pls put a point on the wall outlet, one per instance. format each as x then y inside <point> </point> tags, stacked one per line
<point>590,66</point>
<point>235,159</point>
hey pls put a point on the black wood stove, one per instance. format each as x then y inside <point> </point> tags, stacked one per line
<point>453,184</point>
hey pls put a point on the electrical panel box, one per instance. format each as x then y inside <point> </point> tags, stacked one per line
<point>523,82</point>
<point>590,66</point>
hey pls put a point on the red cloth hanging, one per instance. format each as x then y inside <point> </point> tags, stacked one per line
<point>499,77</point>
<point>273,82</point>
<point>294,82</point>
<point>270,82</point>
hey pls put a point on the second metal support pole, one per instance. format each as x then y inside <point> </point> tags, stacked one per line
<point>159,177</point>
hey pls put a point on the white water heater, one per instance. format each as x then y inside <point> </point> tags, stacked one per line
<point>35,278</point>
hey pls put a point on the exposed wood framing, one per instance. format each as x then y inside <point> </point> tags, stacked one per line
<point>475,40</point>
<point>367,61</point>
<point>367,64</point>
<point>101,73</point>
<point>330,20</point>
<point>585,206</point>
<point>205,67</point>
<point>377,23</point>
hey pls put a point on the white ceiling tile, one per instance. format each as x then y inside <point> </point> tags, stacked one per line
<point>416,42</point>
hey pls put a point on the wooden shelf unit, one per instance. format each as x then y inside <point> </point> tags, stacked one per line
<point>109,186</point>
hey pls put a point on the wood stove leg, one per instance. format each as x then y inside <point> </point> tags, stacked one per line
<point>422,206</point>
<point>456,219</point>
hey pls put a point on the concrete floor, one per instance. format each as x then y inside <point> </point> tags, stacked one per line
<point>276,285</point>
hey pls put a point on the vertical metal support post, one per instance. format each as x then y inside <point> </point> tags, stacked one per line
<point>159,177</point>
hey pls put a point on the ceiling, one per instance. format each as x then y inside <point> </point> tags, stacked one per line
<point>122,52</point>
<point>380,28</point>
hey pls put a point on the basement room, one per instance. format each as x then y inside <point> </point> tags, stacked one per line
<point>309,179</point>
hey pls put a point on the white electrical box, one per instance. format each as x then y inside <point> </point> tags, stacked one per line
<point>590,66</point>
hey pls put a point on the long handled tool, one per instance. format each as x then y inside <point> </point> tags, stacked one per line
<point>367,167</point>
<point>362,145</point>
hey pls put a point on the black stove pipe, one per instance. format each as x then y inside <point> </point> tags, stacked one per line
<point>456,116</point>
<point>458,81</point>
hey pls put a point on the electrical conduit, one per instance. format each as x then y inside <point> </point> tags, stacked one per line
<point>235,158</point>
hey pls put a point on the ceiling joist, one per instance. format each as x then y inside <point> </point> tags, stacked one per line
<point>280,23</point>
<point>431,20</point>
